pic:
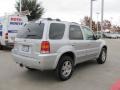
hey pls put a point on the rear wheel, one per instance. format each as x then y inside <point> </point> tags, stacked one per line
<point>30,69</point>
<point>65,67</point>
<point>102,57</point>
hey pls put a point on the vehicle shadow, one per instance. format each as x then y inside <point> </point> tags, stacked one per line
<point>37,76</point>
<point>49,76</point>
<point>85,64</point>
<point>6,49</point>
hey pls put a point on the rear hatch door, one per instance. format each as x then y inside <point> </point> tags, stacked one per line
<point>29,39</point>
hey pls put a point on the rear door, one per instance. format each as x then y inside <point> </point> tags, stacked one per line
<point>56,36</point>
<point>93,45</point>
<point>28,40</point>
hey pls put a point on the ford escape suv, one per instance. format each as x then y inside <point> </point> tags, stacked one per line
<point>49,44</point>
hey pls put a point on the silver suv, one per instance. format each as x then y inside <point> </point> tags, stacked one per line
<point>56,45</point>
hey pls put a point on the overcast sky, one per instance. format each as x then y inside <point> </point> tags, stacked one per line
<point>71,10</point>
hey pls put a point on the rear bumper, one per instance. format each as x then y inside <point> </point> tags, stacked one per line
<point>8,44</point>
<point>43,62</point>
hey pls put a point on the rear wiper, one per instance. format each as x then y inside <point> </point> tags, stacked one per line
<point>32,35</point>
<point>40,22</point>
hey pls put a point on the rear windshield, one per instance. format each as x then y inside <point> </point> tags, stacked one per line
<point>31,31</point>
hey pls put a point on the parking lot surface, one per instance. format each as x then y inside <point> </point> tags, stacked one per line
<point>87,76</point>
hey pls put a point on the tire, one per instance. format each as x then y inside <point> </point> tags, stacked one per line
<point>103,56</point>
<point>30,69</point>
<point>65,68</point>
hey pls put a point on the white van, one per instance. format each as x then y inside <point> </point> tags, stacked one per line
<point>10,27</point>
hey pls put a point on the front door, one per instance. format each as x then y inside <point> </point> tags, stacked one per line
<point>93,45</point>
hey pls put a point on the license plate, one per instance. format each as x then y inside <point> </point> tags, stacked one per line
<point>25,48</point>
<point>13,39</point>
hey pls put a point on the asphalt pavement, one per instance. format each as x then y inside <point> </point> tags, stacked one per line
<point>87,76</point>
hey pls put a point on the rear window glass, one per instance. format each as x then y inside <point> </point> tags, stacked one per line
<point>56,31</point>
<point>75,33</point>
<point>31,31</point>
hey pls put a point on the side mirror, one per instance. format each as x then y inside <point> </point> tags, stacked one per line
<point>98,37</point>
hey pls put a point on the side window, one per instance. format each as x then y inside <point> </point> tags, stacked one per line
<point>56,31</point>
<point>75,33</point>
<point>88,33</point>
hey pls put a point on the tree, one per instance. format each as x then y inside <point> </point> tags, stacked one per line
<point>86,22</point>
<point>106,24</point>
<point>35,8</point>
<point>116,28</point>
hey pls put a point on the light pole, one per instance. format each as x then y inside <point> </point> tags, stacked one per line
<point>91,12</point>
<point>102,14</point>
<point>111,19</point>
<point>20,6</point>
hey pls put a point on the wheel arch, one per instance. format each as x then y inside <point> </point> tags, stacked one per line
<point>105,46</point>
<point>68,53</point>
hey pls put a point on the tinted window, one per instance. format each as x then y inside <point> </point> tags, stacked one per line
<point>31,31</point>
<point>0,33</point>
<point>56,31</point>
<point>88,33</point>
<point>75,32</point>
<point>1,30</point>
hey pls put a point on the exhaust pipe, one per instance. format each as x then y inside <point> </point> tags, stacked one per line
<point>21,65</point>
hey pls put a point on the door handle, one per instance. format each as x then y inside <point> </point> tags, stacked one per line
<point>74,44</point>
<point>89,44</point>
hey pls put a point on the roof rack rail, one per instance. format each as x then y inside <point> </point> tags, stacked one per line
<point>49,19</point>
<point>57,19</point>
<point>74,22</point>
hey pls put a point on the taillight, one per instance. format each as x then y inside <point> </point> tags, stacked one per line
<point>45,47</point>
<point>6,35</point>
